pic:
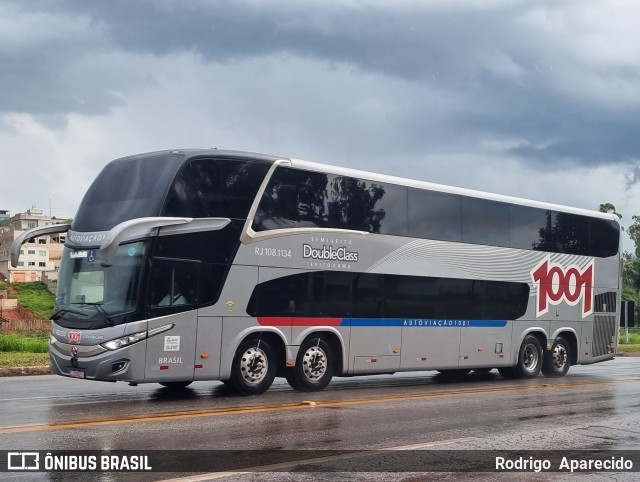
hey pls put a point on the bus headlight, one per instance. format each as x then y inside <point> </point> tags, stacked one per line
<point>124,341</point>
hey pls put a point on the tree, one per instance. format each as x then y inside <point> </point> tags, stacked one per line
<point>634,233</point>
<point>609,208</point>
<point>631,262</point>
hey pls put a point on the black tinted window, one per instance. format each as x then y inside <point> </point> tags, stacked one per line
<point>526,225</point>
<point>485,222</point>
<point>215,188</point>
<point>126,189</point>
<point>460,299</point>
<point>282,296</point>
<point>505,300</point>
<point>173,286</point>
<point>337,293</point>
<point>605,237</point>
<point>298,199</point>
<point>434,215</point>
<point>367,295</point>
<point>214,250</point>
<point>375,207</point>
<point>209,246</point>
<point>572,233</point>
<point>405,296</point>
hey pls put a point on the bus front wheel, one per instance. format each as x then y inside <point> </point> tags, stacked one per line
<point>314,367</point>
<point>558,360</point>
<point>254,367</point>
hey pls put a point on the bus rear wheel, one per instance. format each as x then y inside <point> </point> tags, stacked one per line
<point>529,358</point>
<point>558,360</point>
<point>254,367</point>
<point>314,366</point>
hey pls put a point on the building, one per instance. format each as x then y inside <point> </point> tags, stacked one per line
<point>39,258</point>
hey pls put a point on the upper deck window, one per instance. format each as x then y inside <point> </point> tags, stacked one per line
<point>297,198</point>
<point>305,199</point>
<point>213,188</point>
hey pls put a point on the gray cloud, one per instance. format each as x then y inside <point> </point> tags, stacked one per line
<point>462,73</point>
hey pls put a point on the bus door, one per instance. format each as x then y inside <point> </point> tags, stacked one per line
<point>172,300</point>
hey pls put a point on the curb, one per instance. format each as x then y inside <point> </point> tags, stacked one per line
<point>23,371</point>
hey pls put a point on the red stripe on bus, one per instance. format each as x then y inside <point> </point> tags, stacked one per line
<point>288,321</point>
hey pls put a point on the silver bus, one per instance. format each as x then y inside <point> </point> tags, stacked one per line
<point>221,265</point>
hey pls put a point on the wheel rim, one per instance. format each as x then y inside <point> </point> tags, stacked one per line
<point>559,357</point>
<point>314,363</point>
<point>531,358</point>
<point>254,365</point>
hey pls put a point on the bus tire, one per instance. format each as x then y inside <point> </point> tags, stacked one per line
<point>314,366</point>
<point>529,358</point>
<point>558,360</point>
<point>175,385</point>
<point>254,367</point>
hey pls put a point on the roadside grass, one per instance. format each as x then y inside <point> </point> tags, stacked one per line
<point>634,338</point>
<point>630,346</point>
<point>21,359</point>
<point>24,343</point>
<point>24,349</point>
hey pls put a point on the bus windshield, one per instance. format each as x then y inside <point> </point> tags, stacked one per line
<point>89,292</point>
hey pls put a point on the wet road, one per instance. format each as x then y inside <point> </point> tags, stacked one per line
<point>594,407</point>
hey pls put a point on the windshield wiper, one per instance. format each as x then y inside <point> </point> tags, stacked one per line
<point>62,311</point>
<point>100,310</point>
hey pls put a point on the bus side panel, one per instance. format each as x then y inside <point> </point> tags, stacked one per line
<point>486,347</point>
<point>599,338</point>
<point>430,347</point>
<point>207,359</point>
<point>235,293</point>
<point>374,348</point>
<point>170,355</point>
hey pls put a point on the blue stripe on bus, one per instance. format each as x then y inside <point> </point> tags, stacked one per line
<point>410,322</point>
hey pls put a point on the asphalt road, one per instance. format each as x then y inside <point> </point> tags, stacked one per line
<point>373,428</point>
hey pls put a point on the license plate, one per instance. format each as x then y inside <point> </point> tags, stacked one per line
<point>76,372</point>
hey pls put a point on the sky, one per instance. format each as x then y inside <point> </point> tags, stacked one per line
<point>533,98</point>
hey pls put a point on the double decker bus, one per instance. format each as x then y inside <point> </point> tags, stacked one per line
<point>221,265</point>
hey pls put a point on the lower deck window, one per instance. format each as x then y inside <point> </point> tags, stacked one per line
<point>368,295</point>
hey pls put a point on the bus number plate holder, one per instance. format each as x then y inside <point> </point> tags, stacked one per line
<point>76,372</point>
